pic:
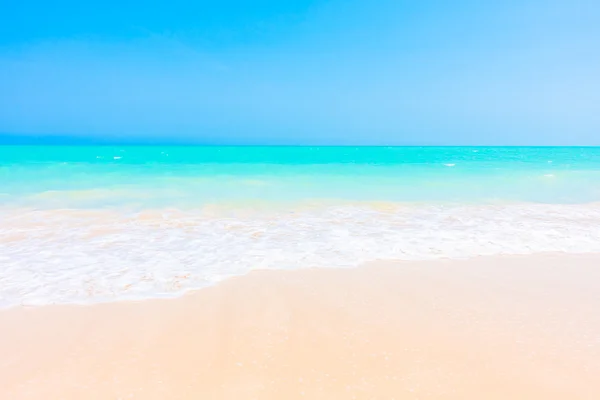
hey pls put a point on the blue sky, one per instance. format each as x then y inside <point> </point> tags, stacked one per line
<point>303,71</point>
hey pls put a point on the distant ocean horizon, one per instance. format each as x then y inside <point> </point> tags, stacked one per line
<point>207,140</point>
<point>101,223</point>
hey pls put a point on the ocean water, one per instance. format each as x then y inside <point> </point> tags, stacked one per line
<point>99,223</point>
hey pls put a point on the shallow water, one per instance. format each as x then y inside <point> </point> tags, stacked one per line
<point>87,224</point>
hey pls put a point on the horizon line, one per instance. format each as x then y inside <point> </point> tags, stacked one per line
<point>64,140</point>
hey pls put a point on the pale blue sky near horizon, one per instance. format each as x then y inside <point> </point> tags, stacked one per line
<point>384,72</point>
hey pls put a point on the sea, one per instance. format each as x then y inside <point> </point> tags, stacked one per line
<point>88,224</point>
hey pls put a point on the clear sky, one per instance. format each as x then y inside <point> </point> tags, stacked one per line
<point>303,71</point>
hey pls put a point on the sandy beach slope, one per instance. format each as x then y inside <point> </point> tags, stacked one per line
<point>525,327</point>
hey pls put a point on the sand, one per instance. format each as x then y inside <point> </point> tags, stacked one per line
<point>488,328</point>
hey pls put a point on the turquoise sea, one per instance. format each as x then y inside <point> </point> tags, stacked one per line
<point>101,223</point>
<point>163,176</point>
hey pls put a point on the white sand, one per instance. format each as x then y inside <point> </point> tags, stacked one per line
<point>489,328</point>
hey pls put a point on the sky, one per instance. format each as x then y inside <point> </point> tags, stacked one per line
<point>315,72</point>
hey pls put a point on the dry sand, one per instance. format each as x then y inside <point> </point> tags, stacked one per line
<point>488,328</point>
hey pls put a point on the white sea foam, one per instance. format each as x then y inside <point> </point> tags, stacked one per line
<point>75,256</point>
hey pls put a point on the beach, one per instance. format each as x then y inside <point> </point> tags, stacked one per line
<point>309,199</point>
<point>520,327</point>
<point>265,272</point>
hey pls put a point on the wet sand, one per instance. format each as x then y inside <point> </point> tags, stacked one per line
<point>488,328</point>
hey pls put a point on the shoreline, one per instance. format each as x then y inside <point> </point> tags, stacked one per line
<point>62,257</point>
<point>391,263</point>
<point>489,327</point>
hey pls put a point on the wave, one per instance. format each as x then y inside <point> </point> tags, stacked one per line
<point>87,256</point>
